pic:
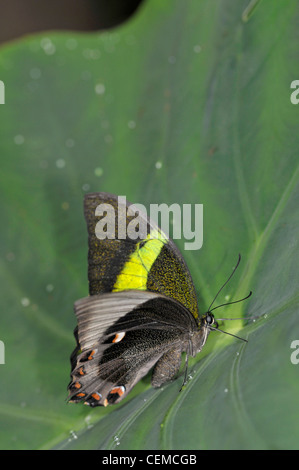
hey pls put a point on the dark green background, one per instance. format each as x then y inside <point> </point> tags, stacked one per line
<point>206,95</point>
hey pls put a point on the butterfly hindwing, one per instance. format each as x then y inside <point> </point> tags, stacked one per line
<point>122,336</point>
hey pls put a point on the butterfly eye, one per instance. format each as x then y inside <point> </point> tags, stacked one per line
<point>209,319</point>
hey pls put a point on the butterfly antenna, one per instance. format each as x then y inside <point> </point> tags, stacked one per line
<point>230,303</point>
<point>225,283</point>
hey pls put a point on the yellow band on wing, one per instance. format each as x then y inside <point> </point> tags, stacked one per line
<point>135,271</point>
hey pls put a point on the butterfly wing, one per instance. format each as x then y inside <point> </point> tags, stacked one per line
<point>151,263</point>
<point>121,336</point>
<point>141,310</point>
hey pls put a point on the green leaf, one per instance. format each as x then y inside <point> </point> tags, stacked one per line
<point>185,103</point>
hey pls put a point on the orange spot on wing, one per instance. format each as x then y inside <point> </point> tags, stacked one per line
<point>96,396</point>
<point>119,390</point>
<point>91,355</point>
<point>118,337</point>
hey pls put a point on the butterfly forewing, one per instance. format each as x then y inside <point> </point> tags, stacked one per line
<point>153,263</point>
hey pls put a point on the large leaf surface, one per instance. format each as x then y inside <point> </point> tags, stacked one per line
<point>185,103</point>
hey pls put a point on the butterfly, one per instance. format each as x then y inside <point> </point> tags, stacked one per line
<point>141,312</point>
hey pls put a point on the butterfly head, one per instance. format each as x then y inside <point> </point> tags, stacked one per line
<point>209,323</point>
<point>209,320</point>
<point>199,337</point>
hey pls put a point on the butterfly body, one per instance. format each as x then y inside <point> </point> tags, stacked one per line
<point>141,313</point>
